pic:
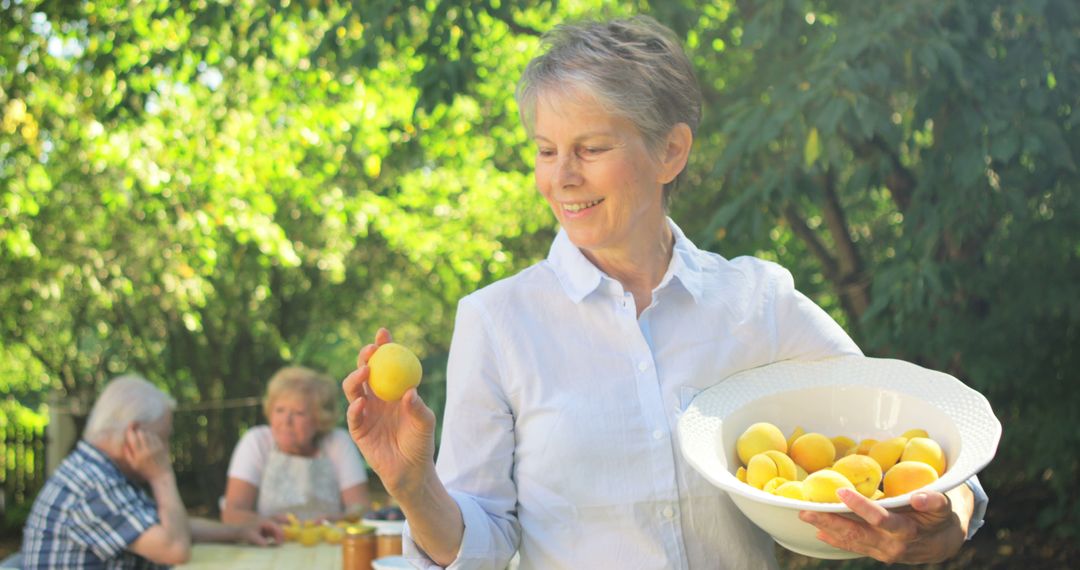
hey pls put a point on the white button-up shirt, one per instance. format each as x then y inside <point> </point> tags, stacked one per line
<point>559,436</point>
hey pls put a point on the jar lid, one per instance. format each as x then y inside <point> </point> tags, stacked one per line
<point>359,530</point>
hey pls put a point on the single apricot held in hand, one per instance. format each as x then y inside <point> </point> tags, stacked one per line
<point>394,369</point>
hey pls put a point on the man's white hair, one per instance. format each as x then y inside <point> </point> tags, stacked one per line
<point>124,400</point>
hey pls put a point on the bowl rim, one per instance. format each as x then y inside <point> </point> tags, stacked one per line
<point>980,429</point>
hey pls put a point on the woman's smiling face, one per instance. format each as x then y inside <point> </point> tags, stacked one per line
<point>598,175</point>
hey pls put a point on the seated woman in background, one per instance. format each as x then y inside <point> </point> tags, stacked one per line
<point>299,464</point>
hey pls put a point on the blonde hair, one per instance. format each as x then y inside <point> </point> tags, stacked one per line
<point>124,400</point>
<point>319,390</point>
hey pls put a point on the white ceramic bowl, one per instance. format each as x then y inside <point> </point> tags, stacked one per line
<point>854,396</point>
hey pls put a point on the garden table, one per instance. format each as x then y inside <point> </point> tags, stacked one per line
<point>288,556</point>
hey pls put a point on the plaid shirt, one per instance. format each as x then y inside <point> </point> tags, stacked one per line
<point>87,515</point>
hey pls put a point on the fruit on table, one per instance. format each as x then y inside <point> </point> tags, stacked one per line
<point>907,476</point>
<point>333,534</point>
<point>757,438</point>
<point>310,535</point>
<point>292,531</point>
<point>394,369</point>
<point>813,452</point>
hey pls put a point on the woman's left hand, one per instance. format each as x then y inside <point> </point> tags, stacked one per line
<point>930,531</point>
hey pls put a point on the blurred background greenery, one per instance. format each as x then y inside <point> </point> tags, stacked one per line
<point>202,191</point>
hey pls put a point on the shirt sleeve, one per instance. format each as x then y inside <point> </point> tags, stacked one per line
<point>249,457</point>
<point>110,520</point>
<point>981,501</point>
<point>803,330</point>
<point>348,463</point>
<point>476,456</point>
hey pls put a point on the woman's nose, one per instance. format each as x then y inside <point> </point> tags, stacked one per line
<point>568,170</point>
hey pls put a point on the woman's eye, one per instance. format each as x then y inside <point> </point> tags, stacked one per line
<point>545,152</point>
<point>592,150</point>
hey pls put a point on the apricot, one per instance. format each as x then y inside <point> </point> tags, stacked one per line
<point>757,438</point>
<point>908,476</point>
<point>773,484</point>
<point>862,471</point>
<point>292,531</point>
<point>844,445</point>
<point>310,535</point>
<point>927,451</point>
<point>864,446</point>
<point>915,433</point>
<point>333,534</point>
<point>394,369</point>
<point>791,490</point>
<point>821,486</point>
<point>795,434</point>
<point>785,467</point>
<point>888,452</point>
<point>740,474</point>
<point>813,451</point>
<point>760,469</point>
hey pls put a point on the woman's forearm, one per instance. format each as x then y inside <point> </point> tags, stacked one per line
<point>238,516</point>
<point>435,519</point>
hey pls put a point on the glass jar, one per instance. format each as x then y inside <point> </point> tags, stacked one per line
<point>388,540</point>
<point>358,548</point>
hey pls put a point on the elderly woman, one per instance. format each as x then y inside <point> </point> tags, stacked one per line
<point>300,464</point>
<point>565,381</point>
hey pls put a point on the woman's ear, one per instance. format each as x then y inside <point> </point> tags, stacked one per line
<point>676,152</point>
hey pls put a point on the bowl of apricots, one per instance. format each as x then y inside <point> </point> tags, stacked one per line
<point>785,437</point>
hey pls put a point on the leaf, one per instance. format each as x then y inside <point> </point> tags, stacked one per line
<point>812,149</point>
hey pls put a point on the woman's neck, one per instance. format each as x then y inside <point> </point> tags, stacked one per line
<point>638,269</point>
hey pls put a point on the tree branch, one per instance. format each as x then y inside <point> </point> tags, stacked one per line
<point>829,267</point>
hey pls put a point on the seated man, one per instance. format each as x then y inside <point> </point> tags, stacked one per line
<point>94,511</point>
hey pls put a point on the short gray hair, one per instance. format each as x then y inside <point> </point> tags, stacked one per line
<point>124,400</point>
<point>634,67</point>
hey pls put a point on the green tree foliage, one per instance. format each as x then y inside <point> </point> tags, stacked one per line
<point>915,164</point>
<point>202,191</point>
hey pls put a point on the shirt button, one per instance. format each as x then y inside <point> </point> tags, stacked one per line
<point>643,366</point>
<point>657,434</point>
<point>668,512</point>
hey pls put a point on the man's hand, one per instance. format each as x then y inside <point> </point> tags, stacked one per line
<point>146,454</point>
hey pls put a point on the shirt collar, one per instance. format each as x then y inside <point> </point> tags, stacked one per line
<point>579,277</point>
<point>95,455</point>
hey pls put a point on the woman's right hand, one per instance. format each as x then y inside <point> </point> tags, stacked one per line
<point>397,439</point>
